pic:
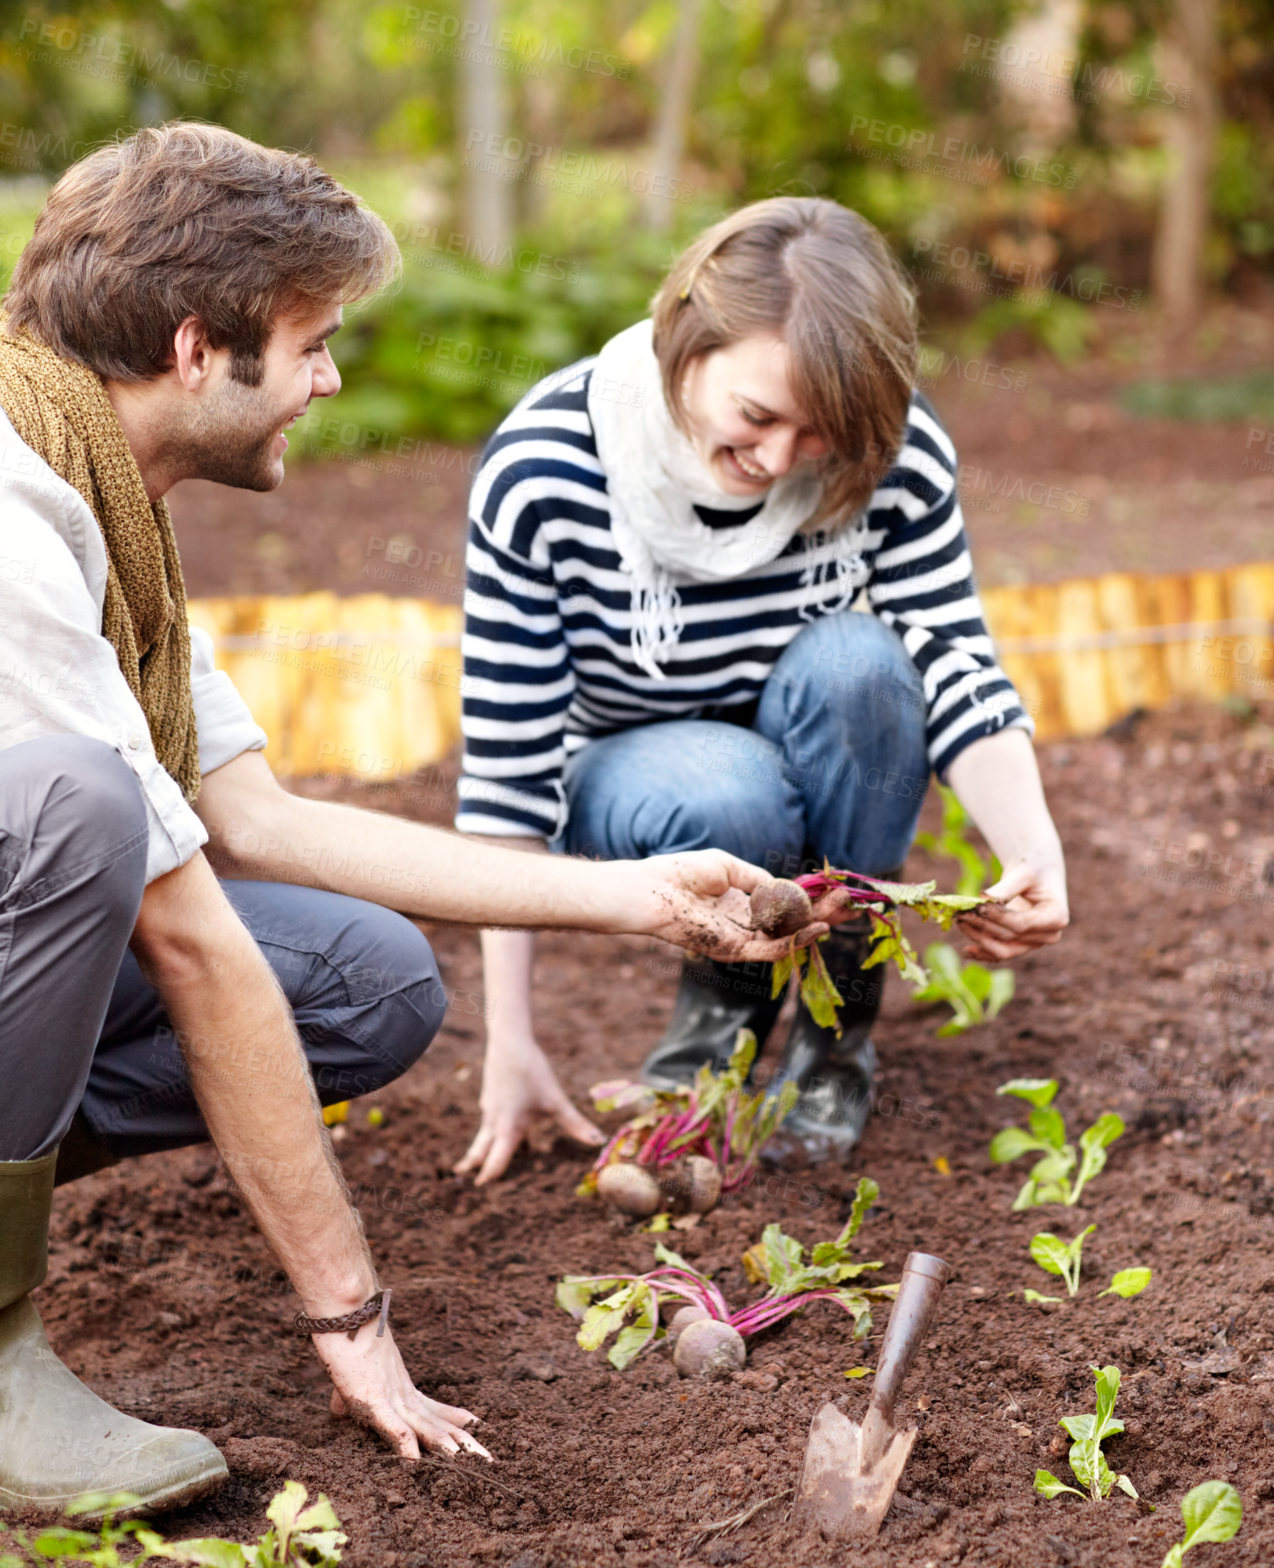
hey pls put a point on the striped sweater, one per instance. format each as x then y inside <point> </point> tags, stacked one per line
<point>547,657</point>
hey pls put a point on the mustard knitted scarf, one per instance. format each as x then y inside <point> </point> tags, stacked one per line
<point>61,410</point>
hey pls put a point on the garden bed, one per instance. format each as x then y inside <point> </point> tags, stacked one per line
<point>162,1296</point>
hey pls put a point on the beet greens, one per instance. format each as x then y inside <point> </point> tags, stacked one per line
<point>630,1308</point>
<point>715,1117</point>
<point>881,902</point>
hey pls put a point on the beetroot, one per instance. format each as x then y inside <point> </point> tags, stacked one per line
<point>709,1349</point>
<point>696,1142</point>
<point>682,1318</point>
<point>632,1304</point>
<point>781,908</point>
<point>631,1189</point>
<point>881,902</point>
<point>692,1185</point>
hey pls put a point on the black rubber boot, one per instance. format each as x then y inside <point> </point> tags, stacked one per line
<point>714,1001</point>
<point>835,1074</point>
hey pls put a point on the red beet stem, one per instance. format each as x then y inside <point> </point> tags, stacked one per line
<point>705,1294</point>
<point>603,1159</point>
<point>773,1309</point>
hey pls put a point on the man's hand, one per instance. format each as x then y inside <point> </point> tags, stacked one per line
<point>373,1387</point>
<point>699,900</point>
<point>252,1081</point>
<point>518,1085</point>
<point>696,900</point>
<point>1033,914</point>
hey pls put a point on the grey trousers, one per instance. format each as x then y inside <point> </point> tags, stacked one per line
<point>81,1029</point>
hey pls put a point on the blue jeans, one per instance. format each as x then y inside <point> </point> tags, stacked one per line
<point>834,765</point>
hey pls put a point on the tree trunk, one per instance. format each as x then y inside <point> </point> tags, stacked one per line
<point>669,145</point>
<point>488,193</point>
<point>1188,59</point>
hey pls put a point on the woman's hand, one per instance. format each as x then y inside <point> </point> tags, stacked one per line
<point>518,1086</point>
<point>373,1387</point>
<point>699,900</point>
<point>1033,913</point>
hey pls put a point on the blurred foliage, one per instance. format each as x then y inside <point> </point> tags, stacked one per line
<point>1018,233</point>
<point>448,352</point>
<point>1235,399</point>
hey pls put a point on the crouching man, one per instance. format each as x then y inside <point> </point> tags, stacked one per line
<point>169,320</point>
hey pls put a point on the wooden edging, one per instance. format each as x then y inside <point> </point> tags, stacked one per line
<point>369,686</point>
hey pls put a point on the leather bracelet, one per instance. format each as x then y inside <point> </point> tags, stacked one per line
<point>374,1306</point>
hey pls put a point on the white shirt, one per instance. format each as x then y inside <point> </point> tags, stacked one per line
<point>59,675</point>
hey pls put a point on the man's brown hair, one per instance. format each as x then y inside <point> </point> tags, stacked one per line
<point>820,277</point>
<point>189,220</point>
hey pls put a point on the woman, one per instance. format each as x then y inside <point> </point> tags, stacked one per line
<point>661,652</point>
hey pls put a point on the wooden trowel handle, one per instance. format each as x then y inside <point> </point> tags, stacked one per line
<point>923,1277</point>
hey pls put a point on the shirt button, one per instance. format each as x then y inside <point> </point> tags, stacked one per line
<point>134,740</point>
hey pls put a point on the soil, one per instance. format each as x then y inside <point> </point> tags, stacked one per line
<point>1158,1004</point>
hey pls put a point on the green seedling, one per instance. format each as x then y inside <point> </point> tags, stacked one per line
<point>298,1537</point>
<point>974,993</point>
<point>1055,1256</point>
<point>1088,1433</point>
<point>1212,1511</point>
<point>975,871</point>
<point>1128,1282</point>
<point>1053,1178</point>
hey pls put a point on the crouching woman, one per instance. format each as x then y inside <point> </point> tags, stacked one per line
<point>671,547</point>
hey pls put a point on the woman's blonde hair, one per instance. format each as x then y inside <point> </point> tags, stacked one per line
<point>821,278</point>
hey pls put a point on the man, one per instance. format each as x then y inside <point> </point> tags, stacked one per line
<point>169,320</point>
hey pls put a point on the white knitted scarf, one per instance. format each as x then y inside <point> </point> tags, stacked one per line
<point>655,479</point>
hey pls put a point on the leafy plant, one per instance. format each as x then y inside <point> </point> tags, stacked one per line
<point>630,1306</point>
<point>1244,397</point>
<point>1055,1256</point>
<point>1061,325</point>
<point>881,902</point>
<point>1050,1180</point>
<point>1212,1511</point>
<point>975,993</point>
<point>952,841</point>
<point>779,1261</point>
<point>1128,1282</point>
<point>299,1537</point>
<point>715,1118</point>
<point>1088,1463</point>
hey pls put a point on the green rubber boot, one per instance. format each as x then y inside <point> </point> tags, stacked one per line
<point>57,1438</point>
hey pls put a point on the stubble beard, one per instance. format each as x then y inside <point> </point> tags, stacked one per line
<point>230,442</point>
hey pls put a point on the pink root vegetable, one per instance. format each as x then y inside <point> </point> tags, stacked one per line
<point>692,1184</point>
<point>682,1318</point>
<point>709,1349</point>
<point>780,908</point>
<point>632,1189</point>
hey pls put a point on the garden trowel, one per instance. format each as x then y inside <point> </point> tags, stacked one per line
<point>851,1471</point>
